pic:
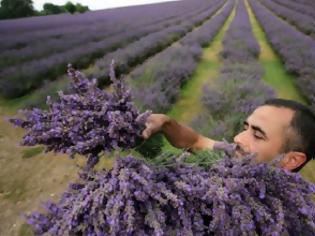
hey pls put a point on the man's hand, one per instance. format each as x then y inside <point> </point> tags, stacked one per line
<point>178,135</point>
<point>154,124</point>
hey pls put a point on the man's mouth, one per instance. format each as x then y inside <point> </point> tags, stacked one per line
<point>239,152</point>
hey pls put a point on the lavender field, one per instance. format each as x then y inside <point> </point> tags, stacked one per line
<point>205,63</point>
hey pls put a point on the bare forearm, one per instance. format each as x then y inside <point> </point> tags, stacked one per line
<point>182,136</point>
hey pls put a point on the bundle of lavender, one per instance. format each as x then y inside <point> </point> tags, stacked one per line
<point>233,197</point>
<point>86,121</point>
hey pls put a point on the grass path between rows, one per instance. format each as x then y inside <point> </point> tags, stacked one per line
<point>207,71</point>
<point>277,77</point>
<point>189,103</point>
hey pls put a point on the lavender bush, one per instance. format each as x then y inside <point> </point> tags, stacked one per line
<point>239,88</point>
<point>233,197</point>
<point>298,6</point>
<point>237,47</point>
<point>308,3</point>
<point>86,121</point>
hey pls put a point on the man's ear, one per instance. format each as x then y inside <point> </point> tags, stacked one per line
<point>293,160</point>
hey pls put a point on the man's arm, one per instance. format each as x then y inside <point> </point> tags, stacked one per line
<point>179,136</point>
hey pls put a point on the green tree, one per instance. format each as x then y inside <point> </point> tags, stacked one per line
<point>16,9</point>
<point>80,8</point>
<point>50,8</point>
<point>70,7</point>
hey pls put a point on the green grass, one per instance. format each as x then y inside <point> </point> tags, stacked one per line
<point>31,152</point>
<point>281,81</point>
<point>189,102</point>
<point>15,190</point>
<point>25,230</point>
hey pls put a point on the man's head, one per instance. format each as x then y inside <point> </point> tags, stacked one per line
<point>279,126</point>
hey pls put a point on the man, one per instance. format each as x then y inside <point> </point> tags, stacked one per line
<point>277,127</point>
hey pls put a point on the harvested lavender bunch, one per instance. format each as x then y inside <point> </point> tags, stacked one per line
<point>233,197</point>
<point>86,121</point>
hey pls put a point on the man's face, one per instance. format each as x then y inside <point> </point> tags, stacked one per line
<point>264,132</point>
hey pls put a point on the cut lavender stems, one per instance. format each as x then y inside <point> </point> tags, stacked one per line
<point>233,197</point>
<point>85,121</point>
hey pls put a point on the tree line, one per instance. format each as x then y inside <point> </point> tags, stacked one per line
<point>10,9</point>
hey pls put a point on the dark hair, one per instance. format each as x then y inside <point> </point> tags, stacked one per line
<point>303,123</point>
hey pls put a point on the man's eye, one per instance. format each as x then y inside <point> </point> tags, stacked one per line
<point>257,136</point>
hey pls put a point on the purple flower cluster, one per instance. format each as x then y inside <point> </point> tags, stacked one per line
<point>52,52</point>
<point>302,21</point>
<point>296,49</point>
<point>233,197</point>
<point>157,83</point>
<point>239,88</point>
<point>86,121</point>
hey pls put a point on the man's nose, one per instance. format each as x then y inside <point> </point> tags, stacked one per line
<point>240,138</point>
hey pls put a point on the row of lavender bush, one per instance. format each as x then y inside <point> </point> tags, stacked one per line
<point>20,79</point>
<point>295,49</point>
<point>63,41</point>
<point>239,88</point>
<point>299,7</point>
<point>139,51</point>
<point>22,32</point>
<point>157,83</point>
<point>302,21</point>
<point>309,3</point>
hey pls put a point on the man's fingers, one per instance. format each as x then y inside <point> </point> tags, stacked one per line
<point>146,133</point>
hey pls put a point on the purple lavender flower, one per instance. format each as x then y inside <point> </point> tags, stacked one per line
<point>233,197</point>
<point>85,121</point>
